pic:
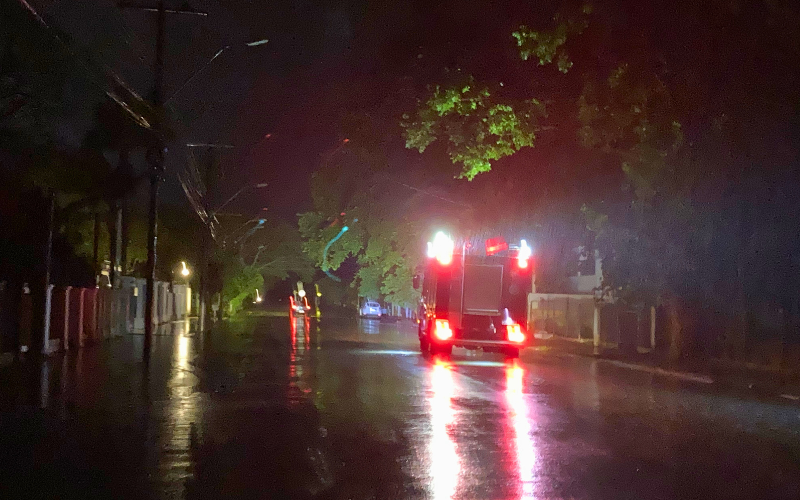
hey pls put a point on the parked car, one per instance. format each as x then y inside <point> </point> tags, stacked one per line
<point>370,309</point>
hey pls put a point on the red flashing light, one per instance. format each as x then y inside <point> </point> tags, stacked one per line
<point>442,329</point>
<point>522,263</point>
<point>495,245</point>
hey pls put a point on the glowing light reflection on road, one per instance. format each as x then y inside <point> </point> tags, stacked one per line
<point>445,464</point>
<point>182,355</point>
<point>520,422</point>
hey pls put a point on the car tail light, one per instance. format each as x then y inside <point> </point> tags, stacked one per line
<point>442,329</point>
<point>514,332</point>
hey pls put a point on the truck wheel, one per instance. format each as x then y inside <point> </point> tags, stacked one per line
<point>511,353</point>
<point>423,345</point>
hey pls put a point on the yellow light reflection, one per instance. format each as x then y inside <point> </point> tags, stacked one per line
<point>523,444</point>
<point>445,463</point>
<point>175,461</point>
<point>182,358</point>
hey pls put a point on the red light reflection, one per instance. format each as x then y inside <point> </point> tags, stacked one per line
<point>445,464</point>
<point>293,350</point>
<point>520,423</point>
<point>298,389</point>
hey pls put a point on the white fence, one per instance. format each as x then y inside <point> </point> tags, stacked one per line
<point>80,315</point>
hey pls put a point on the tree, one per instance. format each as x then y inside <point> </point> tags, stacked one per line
<point>50,84</point>
<point>355,190</point>
<point>478,125</point>
<point>670,93</point>
<point>267,252</point>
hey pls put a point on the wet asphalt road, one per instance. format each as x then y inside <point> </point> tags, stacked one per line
<point>273,407</point>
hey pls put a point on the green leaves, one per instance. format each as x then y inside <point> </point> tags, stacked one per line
<point>477,127</point>
<point>547,46</point>
<point>353,189</point>
<point>241,286</point>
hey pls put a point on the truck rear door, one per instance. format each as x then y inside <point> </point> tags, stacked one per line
<point>482,302</point>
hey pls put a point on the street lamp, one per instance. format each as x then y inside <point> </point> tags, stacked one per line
<point>184,270</point>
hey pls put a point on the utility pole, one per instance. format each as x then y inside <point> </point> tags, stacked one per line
<point>156,172</point>
<point>156,160</point>
<point>210,183</point>
<point>48,266</point>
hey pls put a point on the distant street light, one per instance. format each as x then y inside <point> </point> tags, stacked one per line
<point>185,270</point>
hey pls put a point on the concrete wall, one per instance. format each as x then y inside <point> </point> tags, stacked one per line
<point>579,317</point>
<point>172,301</point>
<point>565,315</point>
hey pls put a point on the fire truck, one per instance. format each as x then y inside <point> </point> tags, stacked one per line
<point>474,295</point>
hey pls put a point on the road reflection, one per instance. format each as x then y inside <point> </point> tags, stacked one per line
<point>445,465</point>
<point>521,425</point>
<point>300,327</point>
<point>184,412</point>
<point>370,326</point>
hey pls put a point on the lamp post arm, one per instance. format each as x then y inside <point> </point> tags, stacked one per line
<point>237,193</point>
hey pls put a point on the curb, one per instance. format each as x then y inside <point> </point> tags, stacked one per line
<point>688,376</point>
<point>691,377</point>
<point>699,378</point>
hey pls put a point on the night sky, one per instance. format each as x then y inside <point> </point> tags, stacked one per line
<point>284,105</point>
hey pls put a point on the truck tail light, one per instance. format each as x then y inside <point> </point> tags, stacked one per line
<point>514,332</point>
<point>524,254</point>
<point>442,329</point>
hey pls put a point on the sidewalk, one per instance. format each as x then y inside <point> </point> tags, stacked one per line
<point>734,376</point>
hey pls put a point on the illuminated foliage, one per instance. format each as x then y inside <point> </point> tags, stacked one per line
<point>477,127</point>
<point>240,285</point>
<point>352,190</point>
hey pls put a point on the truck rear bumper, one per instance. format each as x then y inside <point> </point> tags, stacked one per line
<point>487,345</point>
